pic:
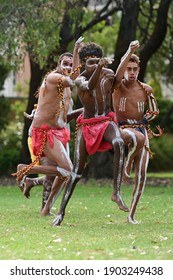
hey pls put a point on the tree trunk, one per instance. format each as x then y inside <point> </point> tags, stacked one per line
<point>157,37</point>
<point>127,30</point>
<point>35,81</point>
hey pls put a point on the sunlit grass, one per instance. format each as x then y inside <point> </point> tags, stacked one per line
<point>93,228</point>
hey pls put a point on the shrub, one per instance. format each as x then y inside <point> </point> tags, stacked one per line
<point>163,155</point>
<point>10,144</point>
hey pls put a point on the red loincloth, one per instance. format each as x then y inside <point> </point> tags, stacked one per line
<point>38,135</point>
<point>93,130</point>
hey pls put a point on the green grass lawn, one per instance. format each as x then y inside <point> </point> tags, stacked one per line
<point>93,228</point>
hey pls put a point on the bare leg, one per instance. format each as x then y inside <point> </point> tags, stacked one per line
<point>118,166</point>
<point>112,136</point>
<point>141,164</point>
<point>80,156</point>
<point>29,183</point>
<point>134,141</point>
<point>66,197</point>
<point>47,186</point>
<point>57,186</point>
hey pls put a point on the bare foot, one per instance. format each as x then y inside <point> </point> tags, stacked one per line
<point>58,220</point>
<point>45,211</point>
<point>48,213</point>
<point>132,221</point>
<point>21,177</point>
<point>21,182</point>
<point>27,187</point>
<point>120,202</point>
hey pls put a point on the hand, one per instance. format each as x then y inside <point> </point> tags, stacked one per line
<point>79,42</point>
<point>134,45</point>
<point>104,61</point>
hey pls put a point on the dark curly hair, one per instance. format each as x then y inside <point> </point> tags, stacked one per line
<point>90,50</point>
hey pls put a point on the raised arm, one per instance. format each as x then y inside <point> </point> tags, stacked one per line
<point>78,44</point>
<point>123,63</point>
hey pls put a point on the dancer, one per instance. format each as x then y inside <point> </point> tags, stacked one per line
<point>134,105</point>
<point>97,128</point>
<point>49,132</point>
<point>47,180</point>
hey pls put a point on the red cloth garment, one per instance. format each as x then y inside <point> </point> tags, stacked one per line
<point>38,135</point>
<point>93,130</point>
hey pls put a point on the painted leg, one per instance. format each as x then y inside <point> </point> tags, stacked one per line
<point>80,156</point>
<point>141,164</point>
<point>22,171</point>
<point>134,141</point>
<point>55,191</point>
<point>66,197</point>
<point>118,167</point>
<point>47,186</point>
<point>29,183</point>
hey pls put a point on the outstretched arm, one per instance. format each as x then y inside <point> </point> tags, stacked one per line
<point>74,114</point>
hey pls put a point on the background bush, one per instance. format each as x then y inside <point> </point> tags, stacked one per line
<point>99,165</point>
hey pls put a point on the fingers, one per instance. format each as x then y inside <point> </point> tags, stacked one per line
<point>134,44</point>
<point>105,61</point>
<point>79,40</point>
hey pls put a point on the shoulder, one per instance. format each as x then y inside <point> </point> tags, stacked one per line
<point>147,87</point>
<point>53,76</point>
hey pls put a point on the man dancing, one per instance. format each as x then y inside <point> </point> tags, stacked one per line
<point>49,132</point>
<point>97,128</point>
<point>135,105</point>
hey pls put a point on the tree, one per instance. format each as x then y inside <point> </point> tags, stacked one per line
<point>44,29</point>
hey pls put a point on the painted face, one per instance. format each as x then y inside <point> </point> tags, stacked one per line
<point>91,64</point>
<point>66,64</point>
<point>132,71</point>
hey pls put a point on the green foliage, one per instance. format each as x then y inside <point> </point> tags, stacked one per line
<point>163,155</point>
<point>104,35</point>
<point>164,107</point>
<point>37,22</point>
<point>10,143</point>
<point>155,84</point>
<point>11,138</point>
<point>93,228</point>
<point>4,70</point>
<point>4,112</point>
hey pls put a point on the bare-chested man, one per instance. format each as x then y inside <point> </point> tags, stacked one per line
<point>49,132</point>
<point>64,67</point>
<point>135,105</point>
<point>97,128</point>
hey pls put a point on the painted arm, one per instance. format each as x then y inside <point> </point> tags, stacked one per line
<point>153,110</point>
<point>103,62</point>
<point>76,63</point>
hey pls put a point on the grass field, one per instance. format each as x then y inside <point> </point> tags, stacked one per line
<point>93,228</point>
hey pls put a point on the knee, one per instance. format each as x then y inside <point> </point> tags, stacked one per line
<point>64,172</point>
<point>118,143</point>
<point>140,141</point>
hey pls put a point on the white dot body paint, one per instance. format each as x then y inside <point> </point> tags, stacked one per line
<point>126,75</point>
